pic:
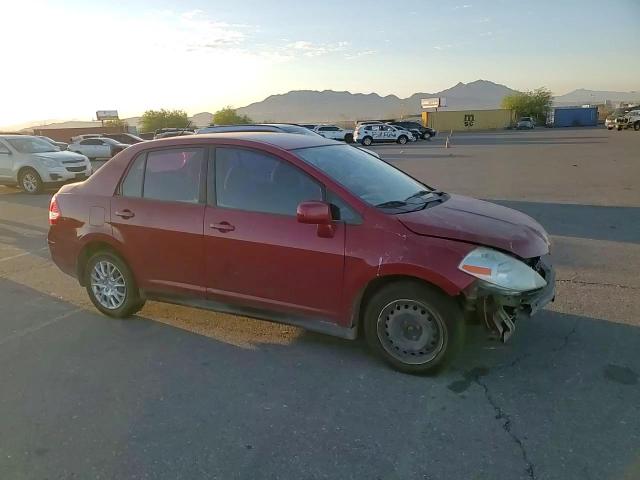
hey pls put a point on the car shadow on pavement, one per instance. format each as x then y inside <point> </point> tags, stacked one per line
<point>110,398</point>
<point>617,224</point>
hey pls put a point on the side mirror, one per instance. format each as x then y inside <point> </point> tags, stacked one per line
<point>317,213</point>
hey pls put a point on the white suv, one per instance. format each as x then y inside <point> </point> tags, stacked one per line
<point>31,162</point>
<point>334,133</point>
<point>380,132</point>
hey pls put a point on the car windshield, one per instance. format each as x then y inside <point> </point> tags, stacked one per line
<point>32,145</point>
<point>372,180</point>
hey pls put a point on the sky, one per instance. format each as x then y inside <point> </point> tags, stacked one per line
<point>65,59</point>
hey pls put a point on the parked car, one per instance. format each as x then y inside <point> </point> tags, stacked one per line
<point>32,163</point>
<point>310,126</point>
<point>334,132</point>
<point>367,134</point>
<point>172,132</point>
<point>419,130</point>
<point>629,120</point>
<point>125,138</point>
<point>525,123</point>
<point>259,127</point>
<point>610,121</point>
<point>300,230</point>
<point>270,127</point>
<point>78,138</point>
<point>99,147</point>
<point>60,145</point>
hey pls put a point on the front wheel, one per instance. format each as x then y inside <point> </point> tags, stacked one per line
<point>30,181</point>
<point>619,129</point>
<point>111,286</point>
<point>636,126</point>
<point>367,141</point>
<point>402,139</point>
<point>414,327</point>
<point>348,138</point>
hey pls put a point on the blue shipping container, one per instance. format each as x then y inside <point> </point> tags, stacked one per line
<point>575,117</point>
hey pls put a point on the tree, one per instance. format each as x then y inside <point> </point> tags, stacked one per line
<point>228,116</point>
<point>117,122</point>
<point>152,120</point>
<point>536,103</point>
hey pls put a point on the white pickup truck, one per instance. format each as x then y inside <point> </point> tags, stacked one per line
<point>628,120</point>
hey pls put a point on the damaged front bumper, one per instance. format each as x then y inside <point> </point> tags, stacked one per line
<point>500,310</point>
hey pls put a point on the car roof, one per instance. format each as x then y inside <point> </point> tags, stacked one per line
<point>286,141</point>
<point>17,135</point>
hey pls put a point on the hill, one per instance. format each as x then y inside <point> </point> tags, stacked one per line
<point>328,105</point>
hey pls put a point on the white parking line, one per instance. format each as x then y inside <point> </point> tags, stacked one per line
<point>23,254</point>
<point>35,328</point>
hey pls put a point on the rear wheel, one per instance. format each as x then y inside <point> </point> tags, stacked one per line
<point>402,139</point>
<point>348,138</point>
<point>30,181</point>
<point>366,141</point>
<point>619,129</point>
<point>111,286</point>
<point>414,327</point>
<point>636,126</point>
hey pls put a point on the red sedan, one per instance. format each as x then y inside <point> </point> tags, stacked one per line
<point>300,230</point>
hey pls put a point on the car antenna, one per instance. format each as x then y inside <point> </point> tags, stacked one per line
<point>189,123</point>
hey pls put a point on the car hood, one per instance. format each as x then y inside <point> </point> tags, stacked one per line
<point>482,223</point>
<point>62,156</point>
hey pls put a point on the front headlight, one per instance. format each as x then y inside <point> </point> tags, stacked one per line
<point>500,270</point>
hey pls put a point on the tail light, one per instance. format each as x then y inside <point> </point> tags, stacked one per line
<point>54,211</point>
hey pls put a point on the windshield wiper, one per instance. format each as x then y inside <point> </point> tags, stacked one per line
<point>422,193</point>
<point>392,204</point>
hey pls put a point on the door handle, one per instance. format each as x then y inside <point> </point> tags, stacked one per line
<point>126,214</point>
<point>222,227</point>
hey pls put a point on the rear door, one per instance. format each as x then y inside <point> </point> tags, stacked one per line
<point>257,253</point>
<point>158,215</point>
<point>6,161</point>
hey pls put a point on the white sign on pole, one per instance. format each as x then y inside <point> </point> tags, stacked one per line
<point>433,102</point>
<point>107,114</point>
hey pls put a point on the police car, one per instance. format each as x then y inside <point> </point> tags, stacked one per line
<point>366,134</point>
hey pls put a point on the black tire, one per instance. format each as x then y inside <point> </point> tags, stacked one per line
<point>132,301</point>
<point>348,138</point>
<point>367,141</point>
<point>619,129</point>
<point>438,312</point>
<point>402,139</point>
<point>426,136</point>
<point>609,128</point>
<point>30,182</point>
<point>636,126</point>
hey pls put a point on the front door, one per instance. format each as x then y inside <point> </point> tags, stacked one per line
<point>258,254</point>
<point>158,217</point>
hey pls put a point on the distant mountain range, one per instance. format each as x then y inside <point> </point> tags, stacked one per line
<point>312,106</point>
<point>328,105</point>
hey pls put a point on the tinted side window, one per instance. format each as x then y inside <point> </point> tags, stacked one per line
<point>254,181</point>
<point>4,148</point>
<point>174,175</point>
<point>132,184</point>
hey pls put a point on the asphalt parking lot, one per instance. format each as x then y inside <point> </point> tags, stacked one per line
<point>185,394</point>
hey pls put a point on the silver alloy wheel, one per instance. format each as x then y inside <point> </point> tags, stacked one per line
<point>29,182</point>
<point>411,332</point>
<point>402,140</point>
<point>108,285</point>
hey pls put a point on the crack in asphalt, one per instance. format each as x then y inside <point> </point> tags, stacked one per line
<point>565,339</point>
<point>600,284</point>
<point>500,414</point>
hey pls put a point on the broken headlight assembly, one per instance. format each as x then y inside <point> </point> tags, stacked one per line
<point>501,272</point>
